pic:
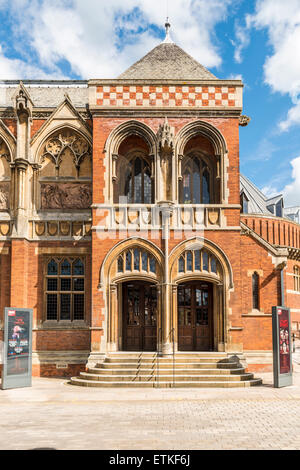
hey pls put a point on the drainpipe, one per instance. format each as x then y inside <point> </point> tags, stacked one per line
<point>281,267</point>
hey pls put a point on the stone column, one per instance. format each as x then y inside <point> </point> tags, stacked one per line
<point>113,316</point>
<point>175,315</point>
<point>167,348</point>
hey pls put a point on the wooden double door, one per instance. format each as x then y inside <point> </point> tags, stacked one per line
<point>195,326</point>
<point>139,316</point>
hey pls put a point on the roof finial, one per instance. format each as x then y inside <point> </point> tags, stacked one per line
<point>168,39</point>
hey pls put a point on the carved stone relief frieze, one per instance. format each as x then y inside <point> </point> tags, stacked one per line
<point>65,196</point>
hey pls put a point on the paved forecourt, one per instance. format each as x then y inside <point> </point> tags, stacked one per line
<point>56,415</point>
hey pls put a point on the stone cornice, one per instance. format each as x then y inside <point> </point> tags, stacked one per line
<point>134,112</point>
<point>215,82</point>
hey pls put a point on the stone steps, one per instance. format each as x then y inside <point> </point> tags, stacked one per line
<point>181,370</point>
<point>164,377</point>
<point>167,365</point>
<point>160,384</point>
<point>165,371</point>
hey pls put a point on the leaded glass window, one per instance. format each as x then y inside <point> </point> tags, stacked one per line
<point>65,289</point>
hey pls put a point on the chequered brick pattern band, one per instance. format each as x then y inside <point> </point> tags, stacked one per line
<point>167,96</point>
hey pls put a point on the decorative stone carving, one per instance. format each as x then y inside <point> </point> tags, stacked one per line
<point>52,228</point>
<point>165,139</point>
<point>4,196</point>
<point>39,228</point>
<point>66,196</point>
<point>65,228</point>
<point>244,120</point>
<point>55,146</point>
<point>213,216</point>
<point>5,228</point>
<point>4,152</point>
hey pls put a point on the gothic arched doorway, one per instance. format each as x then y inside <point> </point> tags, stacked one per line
<point>140,316</point>
<point>195,316</point>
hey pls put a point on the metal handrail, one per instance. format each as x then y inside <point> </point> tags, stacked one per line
<point>173,339</point>
<point>158,352</point>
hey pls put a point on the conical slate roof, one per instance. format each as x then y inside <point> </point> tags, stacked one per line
<point>167,61</point>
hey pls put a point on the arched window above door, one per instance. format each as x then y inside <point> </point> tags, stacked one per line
<point>192,261</point>
<point>136,260</point>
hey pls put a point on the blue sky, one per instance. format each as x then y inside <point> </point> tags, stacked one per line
<point>258,41</point>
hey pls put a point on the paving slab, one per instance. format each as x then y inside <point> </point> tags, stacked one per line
<point>56,415</point>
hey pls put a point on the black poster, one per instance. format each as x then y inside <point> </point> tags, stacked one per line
<point>17,348</point>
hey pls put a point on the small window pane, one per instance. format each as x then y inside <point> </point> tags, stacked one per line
<point>65,268</point>
<point>65,284</point>
<point>213,265</point>
<point>152,265</point>
<point>181,265</point>
<point>78,306</point>
<point>52,268</point>
<point>51,307</point>
<point>120,264</point>
<point>205,188</point>
<point>78,284</point>
<point>128,261</point>
<point>78,268</point>
<point>136,260</point>
<point>65,306</point>
<point>189,261</point>
<point>197,260</point>
<point>144,261</point>
<point>205,261</point>
<point>51,285</point>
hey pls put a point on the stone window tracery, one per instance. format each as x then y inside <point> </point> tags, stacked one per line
<point>136,260</point>
<point>198,261</point>
<point>66,171</point>
<point>133,181</point>
<point>196,183</point>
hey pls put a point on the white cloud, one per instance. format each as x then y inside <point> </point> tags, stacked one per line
<point>86,34</point>
<point>282,67</point>
<point>292,191</point>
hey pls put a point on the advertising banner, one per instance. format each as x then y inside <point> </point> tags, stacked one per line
<point>282,347</point>
<point>17,354</point>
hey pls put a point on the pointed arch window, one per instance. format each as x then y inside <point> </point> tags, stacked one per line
<point>196,186</point>
<point>135,182</point>
<point>255,291</point>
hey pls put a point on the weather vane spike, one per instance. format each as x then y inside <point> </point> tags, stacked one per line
<point>168,37</point>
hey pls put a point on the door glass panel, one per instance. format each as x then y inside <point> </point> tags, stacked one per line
<point>198,297</point>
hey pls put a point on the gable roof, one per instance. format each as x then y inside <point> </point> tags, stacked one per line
<point>258,202</point>
<point>167,61</point>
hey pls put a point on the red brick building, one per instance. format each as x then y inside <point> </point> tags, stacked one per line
<point>121,223</point>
